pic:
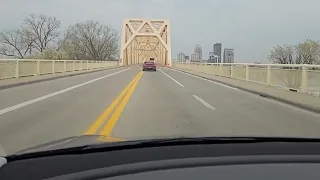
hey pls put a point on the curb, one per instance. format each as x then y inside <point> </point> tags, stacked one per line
<point>53,78</point>
<point>295,104</point>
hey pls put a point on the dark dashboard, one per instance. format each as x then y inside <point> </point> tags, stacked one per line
<point>265,160</point>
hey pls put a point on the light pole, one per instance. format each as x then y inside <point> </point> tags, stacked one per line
<point>216,57</point>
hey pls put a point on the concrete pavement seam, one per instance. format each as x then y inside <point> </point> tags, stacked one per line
<point>265,95</point>
<point>53,78</point>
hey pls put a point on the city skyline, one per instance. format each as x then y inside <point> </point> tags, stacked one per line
<point>216,56</point>
<point>196,55</point>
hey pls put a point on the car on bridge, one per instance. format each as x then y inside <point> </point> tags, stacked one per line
<point>149,66</point>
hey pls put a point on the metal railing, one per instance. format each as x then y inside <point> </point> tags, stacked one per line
<point>296,77</point>
<point>15,68</point>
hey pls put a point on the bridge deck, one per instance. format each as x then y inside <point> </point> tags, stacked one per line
<point>163,103</point>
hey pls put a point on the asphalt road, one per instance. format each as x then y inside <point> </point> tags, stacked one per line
<point>127,103</point>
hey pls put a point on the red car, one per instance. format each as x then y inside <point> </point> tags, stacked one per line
<point>149,66</point>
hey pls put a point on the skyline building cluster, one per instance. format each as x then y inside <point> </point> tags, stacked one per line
<point>215,56</point>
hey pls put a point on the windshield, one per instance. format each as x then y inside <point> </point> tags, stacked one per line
<point>71,68</point>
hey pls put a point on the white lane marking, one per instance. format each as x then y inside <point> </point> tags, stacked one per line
<point>171,78</point>
<point>139,67</point>
<point>204,102</point>
<point>206,79</point>
<point>18,106</point>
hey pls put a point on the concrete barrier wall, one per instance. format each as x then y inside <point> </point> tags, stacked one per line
<point>305,78</point>
<point>15,68</point>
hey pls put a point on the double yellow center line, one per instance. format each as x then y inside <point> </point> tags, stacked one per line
<point>116,107</point>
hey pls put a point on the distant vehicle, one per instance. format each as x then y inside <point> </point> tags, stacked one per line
<point>149,66</point>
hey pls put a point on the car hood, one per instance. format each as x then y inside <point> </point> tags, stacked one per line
<point>70,142</point>
<point>78,141</point>
<point>100,141</point>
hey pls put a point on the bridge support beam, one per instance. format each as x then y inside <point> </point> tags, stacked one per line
<point>143,39</point>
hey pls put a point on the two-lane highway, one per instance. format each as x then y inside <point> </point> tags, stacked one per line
<point>127,103</point>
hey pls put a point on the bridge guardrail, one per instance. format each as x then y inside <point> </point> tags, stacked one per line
<point>294,77</point>
<point>15,68</point>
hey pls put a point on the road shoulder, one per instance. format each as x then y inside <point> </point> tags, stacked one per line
<point>300,100</point>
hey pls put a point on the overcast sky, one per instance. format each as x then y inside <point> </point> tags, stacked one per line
<point>250,27</point>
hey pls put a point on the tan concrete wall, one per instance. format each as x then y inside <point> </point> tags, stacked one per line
<point>23,68</point>
<point>298,77</point>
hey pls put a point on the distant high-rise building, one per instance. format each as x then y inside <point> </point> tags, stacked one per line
<point>181,57</point>
<point>198,50</point>
<point>195,57</point>
<point>228,56</point>
<point>217,48</point>
<point>192,57</point>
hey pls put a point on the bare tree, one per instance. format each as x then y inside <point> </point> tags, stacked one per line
<point>15,44</point>
<point>40,37</point>
<point>92,41</point>
<point>43,30</point>
<point>307,52</point>
<point>282,54</point>
<point>36,34</point>
<point>51,54</point>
